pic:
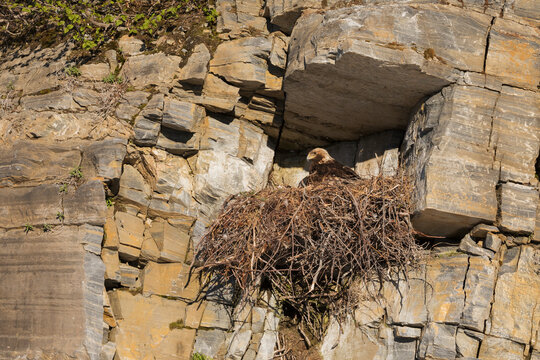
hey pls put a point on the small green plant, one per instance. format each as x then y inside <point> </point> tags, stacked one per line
<point>199,356</point>
<point>63,188</point>
<point>60,216</point>
<point>10,86</point>
<point>72,71</point>
<point>178,324</point>
<point>112,79</point>
<point>76,173</point>
<point>28,228</point>
<point>211,15</point>
<point>109,201</point>
<point>47,227</point>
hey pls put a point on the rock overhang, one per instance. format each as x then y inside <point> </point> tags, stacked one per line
<point>360,70</point>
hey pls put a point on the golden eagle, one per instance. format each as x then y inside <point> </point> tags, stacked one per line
<point>324,167</point>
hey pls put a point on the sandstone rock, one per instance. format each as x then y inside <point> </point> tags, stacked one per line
<point>135,98</point>
<point>106,157</point>
<point>370,312</point>
<point>378,154</point>
<point>342,45</point>
<point>346,341</point>
<point>516,125</point>
<point>173,173</point>
<point>238,159</point>
<point>155,69</point>
<point>512,313</point>
<point>110,240</point>
<point>494,348</point>
<point>284,14</point>
<point>467,345</point>
<point>133,187</point>
<point>25,161</point>
<point>273,86</point>
<point>482,230</point>
<point>56,273</point>
<point>194,314</point>
<point>195,69</point>
<point>218,96</point>
<point>33,206</point>
<point>128,253</point>
<point>181,115</point>
<point>240,18</point>
<point>178,142</point>
<point>239,344</point>
<point>242,62</point>
<point>86,97</point>
<point>209,342</point>
<point>438,342</point>
<point>94,212</point>
<point>94,72</point>
<point>288,169</point>
<point>278,54</point>
<point>261,110</point>
<point>108,351</point>
<point>479,285</point>
<point>143,327</point>
<point>110,55</point>
<point>258,316</point>
<point>406,300</point>
<point>154,109</point>
<point>128,276</point>
<point>54,100</point>
<point>445,296</point>
<point>178,344</point>
<point>493,242</point>
<point>130,45</point>
<point>130,229</point>
<point>267,346</point>
<point>518,205</point>
<point>126,112</point>
<point>469,246</point>
<point>112,265</point>
<point>536,235</point>
<point>506,38</point>
<point>146,131</point>
<point>216,316</point>
<point>169,280</point>
<point>407,332</point>
<point>171,242</point>
<point>451,130</point>
<point>91,238</point>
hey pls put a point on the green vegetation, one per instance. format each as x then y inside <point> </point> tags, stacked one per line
<point>28,228</point>
<point>210,15</point>
<point>60,216</point>
<point>76,173</point>
<point>47,227</point>
<point>72,71</point>
<point>178,324</point>
<point>199,356</point>
<point>91,23</point>
<point>63,188</point>
<point>113,79</point>
<point>109,201</point>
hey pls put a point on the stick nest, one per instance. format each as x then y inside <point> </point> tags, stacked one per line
<point>310,244</point>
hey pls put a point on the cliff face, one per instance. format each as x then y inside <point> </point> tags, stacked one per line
<point>107,188</point>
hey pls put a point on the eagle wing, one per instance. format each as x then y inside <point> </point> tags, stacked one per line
<point>330,169</point>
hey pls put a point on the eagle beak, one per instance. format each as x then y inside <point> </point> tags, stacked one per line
<point>310,156</point>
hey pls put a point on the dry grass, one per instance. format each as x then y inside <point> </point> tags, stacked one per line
<point>310,244</point>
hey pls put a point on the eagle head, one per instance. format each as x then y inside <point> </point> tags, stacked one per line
<point>319,155</point>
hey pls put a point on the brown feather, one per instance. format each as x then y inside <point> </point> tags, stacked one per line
<point>324,167</point>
